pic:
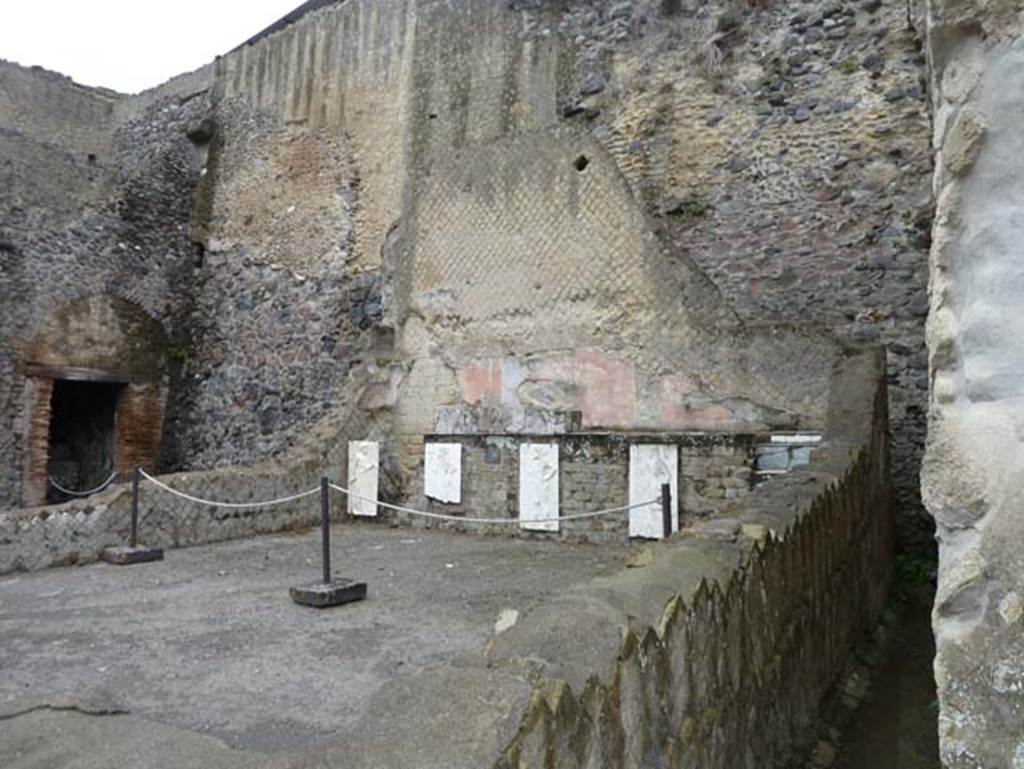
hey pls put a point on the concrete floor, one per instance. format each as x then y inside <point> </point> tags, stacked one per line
<point>208,641</point>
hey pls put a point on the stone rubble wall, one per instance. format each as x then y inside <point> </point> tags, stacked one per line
<point>973,475</point>
<point>792,166</point>
<point>78,532</point>
<point>95,214</point>
<point>140,203</point>
<point>380,145</point>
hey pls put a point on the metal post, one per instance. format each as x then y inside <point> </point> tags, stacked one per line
<point>329,592</point>
<point>325,527</point>
<point>666,509</point>
<point>124,556</point>
<point>134,541</point>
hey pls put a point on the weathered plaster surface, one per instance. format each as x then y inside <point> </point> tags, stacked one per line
<point>973,477</point>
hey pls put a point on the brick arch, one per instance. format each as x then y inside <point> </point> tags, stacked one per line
<point>102,333</point>
<point>103,339</point>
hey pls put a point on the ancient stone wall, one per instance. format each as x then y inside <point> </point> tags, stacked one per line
<point>141,203</point>
<point>793,171</point>
<point>380,146</point>
<point>94,237</point>
<point>271,324</point>
<point>78,532</point>
<point>972,477</point>
<point>784,148</point>
<point>715,471</point>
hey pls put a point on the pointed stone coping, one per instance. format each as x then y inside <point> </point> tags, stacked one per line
<point>126,556</point>
<point>322,595</point>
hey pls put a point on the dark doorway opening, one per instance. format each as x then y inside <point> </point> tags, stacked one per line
<point>81,447</point>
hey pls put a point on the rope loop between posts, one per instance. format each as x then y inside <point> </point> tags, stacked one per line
<point>502,521</point>
<point>396,508</point>
<point>232,505</point>
<point>89,493</point>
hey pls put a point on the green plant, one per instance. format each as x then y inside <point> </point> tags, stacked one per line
<point>689,209</point>
<point>848,65</point>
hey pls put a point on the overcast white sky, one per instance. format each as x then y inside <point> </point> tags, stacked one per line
<point>129,45</point>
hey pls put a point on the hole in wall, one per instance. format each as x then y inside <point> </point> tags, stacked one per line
<point>432,116</point>
<point>581,163</point>
<point>91,158</point>
<point>81,440</point>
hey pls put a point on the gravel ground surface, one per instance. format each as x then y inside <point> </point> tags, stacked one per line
<point>208,640</point>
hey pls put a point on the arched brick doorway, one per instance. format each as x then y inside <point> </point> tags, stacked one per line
<point>95,391</point>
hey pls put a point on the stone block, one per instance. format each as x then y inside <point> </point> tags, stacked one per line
<point>127,556</point>
<point>321,595</point>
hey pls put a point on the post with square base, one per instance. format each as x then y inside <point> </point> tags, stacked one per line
<point>126,556</point>
<point>327,592</point>
<point>666,510</point>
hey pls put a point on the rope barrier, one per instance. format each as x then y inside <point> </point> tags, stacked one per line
<point>233,505</point>
<point>89,493</point>
<point>465,519</point>
<point>397,508</point>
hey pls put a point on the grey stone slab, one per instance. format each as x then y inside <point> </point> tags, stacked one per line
<point>772,458</point>
<point>128,556</point>
<point>322,595</point>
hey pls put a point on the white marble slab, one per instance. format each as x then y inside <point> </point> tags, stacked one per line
<point>363,476</point>
<point>538,486</point>
<point>442,472</point>
<point>651,465</point>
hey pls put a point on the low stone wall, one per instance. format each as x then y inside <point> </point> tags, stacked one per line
<point>79,531</point>
<point>715,470</point>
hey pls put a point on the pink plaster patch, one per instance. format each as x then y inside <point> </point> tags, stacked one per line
<point>672,392</point>
<point>481,380</point>
<point>609,389</point>
<point>607,386</point>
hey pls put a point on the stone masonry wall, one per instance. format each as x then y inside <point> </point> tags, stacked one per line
<point>714,472</point>
<point>94,214</point>
<point>78,532</point>
<point>973,476</point>
<point>347,110</point>
<point>231,232</point>
<point>784,148</point>
<point>273,318</point>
